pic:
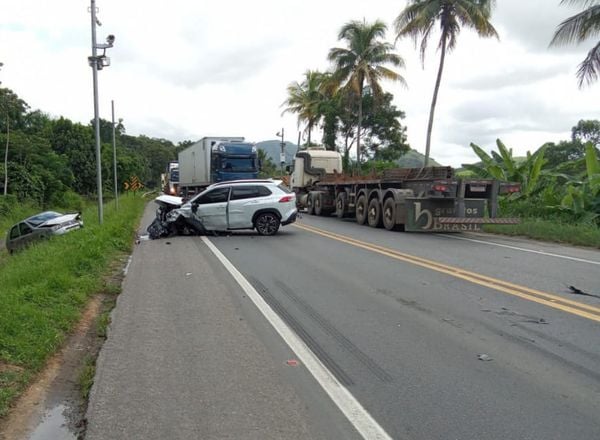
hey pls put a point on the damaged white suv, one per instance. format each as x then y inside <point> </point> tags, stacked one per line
<point>264,205</point>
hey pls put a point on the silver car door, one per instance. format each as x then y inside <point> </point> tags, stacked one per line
<point>212,209</point>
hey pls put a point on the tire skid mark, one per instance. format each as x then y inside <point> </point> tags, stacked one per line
<point>295,325</point>
<point>328,328</point>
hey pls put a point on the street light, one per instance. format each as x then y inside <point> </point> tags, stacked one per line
<point>98,62</point>
<point>282,156</point>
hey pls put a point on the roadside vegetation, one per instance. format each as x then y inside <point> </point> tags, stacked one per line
<point>44,288</point>
<point>560,187</point>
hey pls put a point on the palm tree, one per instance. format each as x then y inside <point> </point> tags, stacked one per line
<point>577,29</point>
<point>418,19</point>
<point>305,99</point>
<point>363,62</point>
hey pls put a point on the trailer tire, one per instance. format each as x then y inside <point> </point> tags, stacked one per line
<point>318,202</point>
<point>310,204</point>
<point>374,213</point>
<point>361,209</point>
<point>389,214</point>
<point>341,204</point>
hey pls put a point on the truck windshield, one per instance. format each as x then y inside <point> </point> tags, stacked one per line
<point>234,164</point>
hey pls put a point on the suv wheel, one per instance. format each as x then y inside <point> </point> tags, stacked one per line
<point>267,223</point>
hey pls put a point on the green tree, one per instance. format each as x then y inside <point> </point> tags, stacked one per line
<point>12,110</point>
<point>587,131</point>
<point>565,157</point>
<point>418,19</point>
<point>305,98</point>
<point>579,28</point>
<point>106,130</point>
<point>268,168</point>
<point>76,142</point>
<point>385,135</point>
<point>363,62</point>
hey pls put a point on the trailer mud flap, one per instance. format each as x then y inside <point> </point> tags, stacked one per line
<point>438,215</point>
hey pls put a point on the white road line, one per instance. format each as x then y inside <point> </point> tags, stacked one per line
<point>548,254</point>
<point>364,423</point>
<point>126,268</point>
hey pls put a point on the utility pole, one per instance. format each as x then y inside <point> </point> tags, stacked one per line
<point>97,63</point>
<point>114,142</point>
<point>282,155</point>
<point>96,112</point>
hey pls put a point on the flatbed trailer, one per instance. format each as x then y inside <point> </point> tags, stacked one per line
<point>411,199</point>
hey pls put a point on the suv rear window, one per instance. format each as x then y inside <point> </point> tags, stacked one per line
<point>284,188</point>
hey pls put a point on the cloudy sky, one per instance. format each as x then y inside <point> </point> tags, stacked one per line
<point>184,69</point>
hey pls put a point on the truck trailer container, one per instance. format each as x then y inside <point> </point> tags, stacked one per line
<point>216,159</point>
<point>430,199</point>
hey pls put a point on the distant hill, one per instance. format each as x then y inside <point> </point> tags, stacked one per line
<point>273,150</point>
<point>414,159</point>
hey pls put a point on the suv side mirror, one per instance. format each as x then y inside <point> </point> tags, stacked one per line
<point>194,207</point>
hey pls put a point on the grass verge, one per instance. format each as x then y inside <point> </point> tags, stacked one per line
<point>44,288</point>
<point>559,232</point>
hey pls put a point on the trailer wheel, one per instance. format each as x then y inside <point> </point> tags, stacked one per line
<point>361,210</point>
<point>318,202</point>
<point>310,204</point>
<point>389,214</point>
<point>374,213</point>
<point>341,204</point>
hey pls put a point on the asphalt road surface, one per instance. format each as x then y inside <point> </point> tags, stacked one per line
<point>423,336</point>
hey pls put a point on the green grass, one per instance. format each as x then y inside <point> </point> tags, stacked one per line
<point>44,288</point>
<point>549,230</point>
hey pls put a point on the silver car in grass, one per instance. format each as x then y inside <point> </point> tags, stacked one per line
<point>40,226</point>
<point>264,205</point>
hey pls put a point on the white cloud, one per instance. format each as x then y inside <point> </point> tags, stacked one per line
<point>182,70</point>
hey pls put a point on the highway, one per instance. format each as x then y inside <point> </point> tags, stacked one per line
<point>334,330</point>
<point>440,337</point>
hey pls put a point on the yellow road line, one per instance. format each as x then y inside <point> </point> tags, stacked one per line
<point>547,299</point>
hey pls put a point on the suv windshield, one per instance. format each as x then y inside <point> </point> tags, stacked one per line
<point>233,164</point>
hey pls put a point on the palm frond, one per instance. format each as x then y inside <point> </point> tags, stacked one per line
<point>578,27</point>
<point>589,69</point>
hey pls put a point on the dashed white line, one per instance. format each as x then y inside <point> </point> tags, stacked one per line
<point>533,251</point>
<point>358,416</point>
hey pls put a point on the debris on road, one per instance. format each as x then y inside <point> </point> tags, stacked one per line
<point>575,291</point>
<point>484,357</point>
